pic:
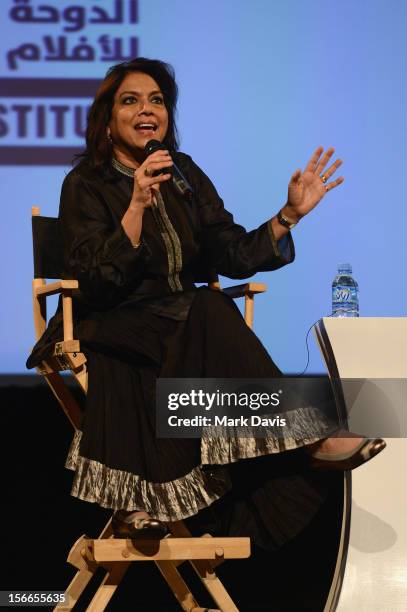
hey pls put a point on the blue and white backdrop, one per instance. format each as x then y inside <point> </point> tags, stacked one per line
<point>262,84</point>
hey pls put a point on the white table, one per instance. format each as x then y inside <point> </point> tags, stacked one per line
<point>367,362</point>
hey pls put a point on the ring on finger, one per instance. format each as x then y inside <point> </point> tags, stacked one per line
<point>323,178</point>
<point>148,172</point>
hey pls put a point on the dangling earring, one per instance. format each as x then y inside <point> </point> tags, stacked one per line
<point>109,139</point>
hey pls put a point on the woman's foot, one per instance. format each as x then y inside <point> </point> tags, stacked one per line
<point>344,450</point>
<point>137,524</point>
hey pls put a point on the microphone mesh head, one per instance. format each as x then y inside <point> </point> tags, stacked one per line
<point>154,145</point>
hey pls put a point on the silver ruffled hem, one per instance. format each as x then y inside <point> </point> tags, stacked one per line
<point>220,445</point>
<point>186,496</point>
<point>120,490</point>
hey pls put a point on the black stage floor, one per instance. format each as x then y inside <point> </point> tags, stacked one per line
<point>40,522</point>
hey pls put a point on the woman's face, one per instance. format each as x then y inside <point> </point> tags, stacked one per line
<point>138,115</point>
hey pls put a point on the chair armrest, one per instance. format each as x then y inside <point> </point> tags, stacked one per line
<point>249,289</point>
<point>57,287</point>
<point>40,291</point>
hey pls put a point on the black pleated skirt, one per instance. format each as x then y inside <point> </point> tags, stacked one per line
<point>247,485</point>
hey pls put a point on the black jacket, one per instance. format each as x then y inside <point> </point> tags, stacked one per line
<point>182,242</point>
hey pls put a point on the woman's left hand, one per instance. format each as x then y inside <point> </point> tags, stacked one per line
<point>307,188</point>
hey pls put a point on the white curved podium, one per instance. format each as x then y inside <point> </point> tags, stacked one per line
<point>367,363</point>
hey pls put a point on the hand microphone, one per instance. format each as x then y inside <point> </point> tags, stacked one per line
<point>178,179</point>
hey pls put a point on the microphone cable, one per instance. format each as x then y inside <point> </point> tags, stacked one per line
<point>307,346</point>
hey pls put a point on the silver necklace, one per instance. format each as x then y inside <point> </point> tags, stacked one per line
<point>122,168</point>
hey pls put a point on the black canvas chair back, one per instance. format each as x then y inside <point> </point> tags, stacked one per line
<point>47,247</point>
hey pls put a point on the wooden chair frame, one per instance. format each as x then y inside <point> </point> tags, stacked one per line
<point>115,555</point>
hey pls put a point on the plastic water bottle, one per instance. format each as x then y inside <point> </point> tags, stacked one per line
<point>345,301</point>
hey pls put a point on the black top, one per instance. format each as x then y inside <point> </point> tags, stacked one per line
<point>182,242</point>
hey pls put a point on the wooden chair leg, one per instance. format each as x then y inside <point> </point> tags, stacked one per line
<point>214,586</point>
<point>106,590</point>
<point>75,589</point>
<point>173,578</point>
<point>86,570</point>
<point>177,585</point>
<point>64,397</point>
<point>206,573</point>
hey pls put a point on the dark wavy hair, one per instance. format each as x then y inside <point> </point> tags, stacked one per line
<point>98,151</point>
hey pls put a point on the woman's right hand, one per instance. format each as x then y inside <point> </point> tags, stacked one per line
<point>145,184</point>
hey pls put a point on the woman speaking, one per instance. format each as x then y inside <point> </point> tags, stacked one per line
<point>139,229</point>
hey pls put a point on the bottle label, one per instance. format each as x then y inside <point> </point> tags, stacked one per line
<point>345,301</point>
<point>344,294</point>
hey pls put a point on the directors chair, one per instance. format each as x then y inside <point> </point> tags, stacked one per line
<point>112,554</point>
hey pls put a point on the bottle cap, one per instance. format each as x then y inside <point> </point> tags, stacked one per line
<point>345,268</point>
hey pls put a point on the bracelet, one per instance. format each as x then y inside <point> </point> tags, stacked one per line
<point>284,221</point>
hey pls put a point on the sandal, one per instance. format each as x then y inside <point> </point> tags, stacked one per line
<point>364,451</point>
